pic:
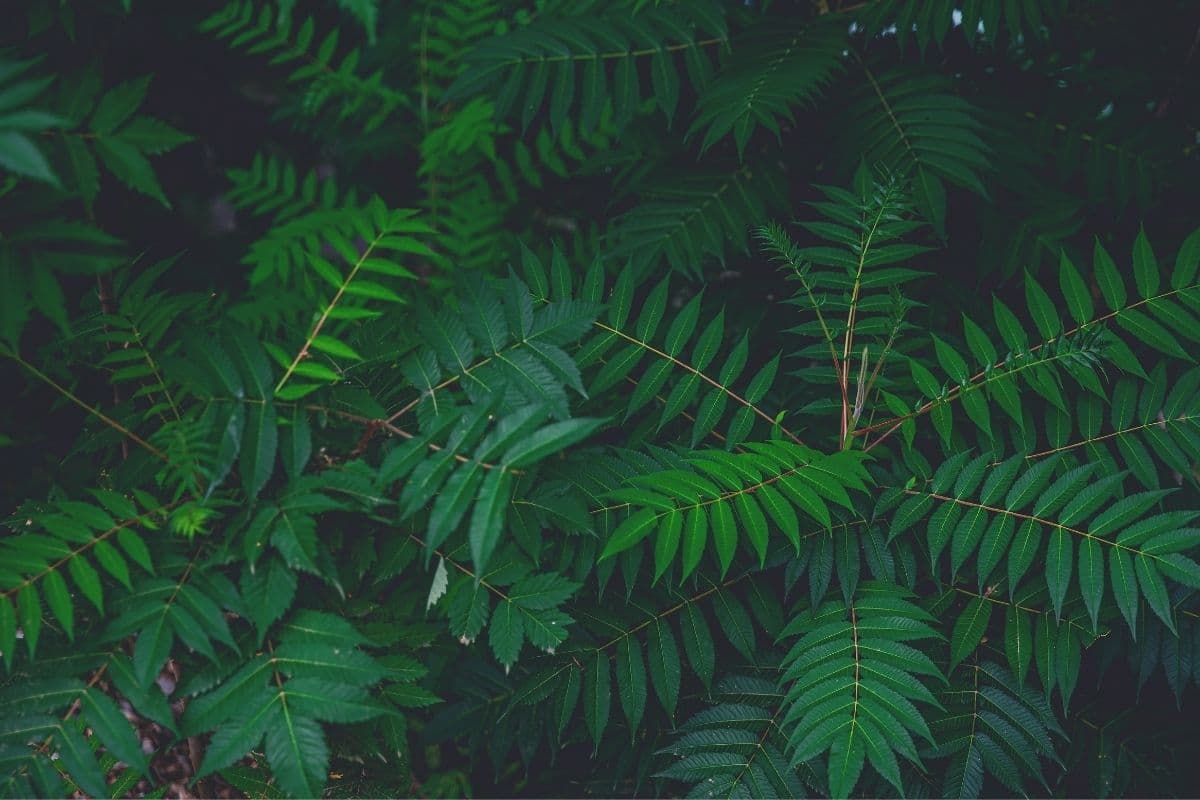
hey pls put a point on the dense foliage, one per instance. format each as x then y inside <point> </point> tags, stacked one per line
<point>613,397</point>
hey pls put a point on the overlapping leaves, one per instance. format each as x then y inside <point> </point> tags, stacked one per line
<point>856,688</point>
<point>330,79</point>
<point>75,539</point>
<point>685,510</point>
<point>735,748</point>
<point>679,359</point>
<point>315,673</point>
<point>565,61</point>
<point>1090,535</point>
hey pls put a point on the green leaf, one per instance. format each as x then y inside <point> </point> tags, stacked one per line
<point>665,667</point>
<point>258,448</point>
<point>682,326</point>
<point>652,311</point>
<point>88,582</point>
<point>981,346</point>
<point>1059,561</point>
<point>452,502</point>
<point>930,195</point>
<point>29,613</point>
<point>1112,288</point>
<point>135,548</point>
<point>118,105</point>
<point>1018,640</point>
<point>541,592</point>
<point>1145,266</point>
<point>1151,332</point>
<point>631,681</point>
<point>58,597</point>
<point>951,362</point>
<point>1187,262</point>
<point>269,592</point>
<point>8,631</point>
<point>130,167</point>
<point>506,633</point>
<point>724,533</point>
<point>335,347</point>
<point>847,754</point>
<point>698,643</point>
<point>230,743</point>
<point>666,544</point>
<point>487,519</point>
<point>1041,308</point>
<point>1124,586</point>
<point>695,532</point>
<point>924,380</point>
<point>637,526</point>
<point>566,700</point>
<point>295,446</point>
<point>1075,290</point>
<point>297,752</point>
<point>20,155</point>
<point>969,629</point>
<point>549,440</point>
<point>151,649</point>
<point>110,725</point>
<point>781,513</point>
<point>1091,577</point>
<point>79,762</point>
<point>597,694</point>
<point>1154,589</point>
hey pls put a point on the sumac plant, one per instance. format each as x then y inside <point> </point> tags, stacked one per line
<point>572,398</point>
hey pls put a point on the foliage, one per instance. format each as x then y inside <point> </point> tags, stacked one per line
<point>613,398</point>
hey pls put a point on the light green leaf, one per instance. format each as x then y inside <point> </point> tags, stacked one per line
<point>334,347</point>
